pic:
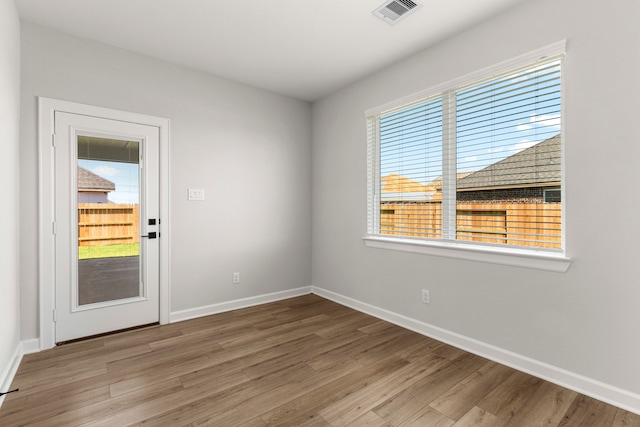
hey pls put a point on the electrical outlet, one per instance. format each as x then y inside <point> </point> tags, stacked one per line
<point>426,299</point>
<point>236,278</point>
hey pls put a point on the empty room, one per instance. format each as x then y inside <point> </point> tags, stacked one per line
<point>320,213</point>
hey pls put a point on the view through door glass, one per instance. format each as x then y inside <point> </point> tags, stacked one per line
<point>108,191</point>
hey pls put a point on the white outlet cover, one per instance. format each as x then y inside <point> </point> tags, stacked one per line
<point>426,297</point>
<point>195,194</point>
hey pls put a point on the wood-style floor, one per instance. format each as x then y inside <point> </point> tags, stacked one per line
<point>300,362</point>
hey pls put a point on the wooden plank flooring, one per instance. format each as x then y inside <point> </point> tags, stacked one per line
<point>305,361</point>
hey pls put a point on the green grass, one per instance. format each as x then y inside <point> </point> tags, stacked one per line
<point>108,251</point>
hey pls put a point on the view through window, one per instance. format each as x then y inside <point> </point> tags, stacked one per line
<point>478,163</point>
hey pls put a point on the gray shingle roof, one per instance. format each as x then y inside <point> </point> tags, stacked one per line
<point>538,164</point>
<point>89,181</point>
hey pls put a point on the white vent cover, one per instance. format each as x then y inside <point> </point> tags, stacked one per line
<point>394,10</point>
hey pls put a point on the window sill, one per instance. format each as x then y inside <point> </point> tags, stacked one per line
<point>539,260</point>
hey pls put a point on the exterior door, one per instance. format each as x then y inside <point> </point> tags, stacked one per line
<point>106,209</point>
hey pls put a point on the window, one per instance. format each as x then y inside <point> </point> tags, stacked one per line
<point>552,196</point>
<point>478,161</point>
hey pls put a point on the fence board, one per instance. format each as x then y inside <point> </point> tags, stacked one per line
<point>108,224</point>
<point>525,224</point>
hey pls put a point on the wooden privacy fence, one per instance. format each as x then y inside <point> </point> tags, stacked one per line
<point>108,224</point>
<point>525,224</point>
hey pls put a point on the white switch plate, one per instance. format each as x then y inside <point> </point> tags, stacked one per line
<point>196,194</point>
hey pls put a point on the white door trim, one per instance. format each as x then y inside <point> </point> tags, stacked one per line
<point>46,248</point>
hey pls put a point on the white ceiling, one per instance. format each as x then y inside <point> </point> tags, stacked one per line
<point>302,48</point>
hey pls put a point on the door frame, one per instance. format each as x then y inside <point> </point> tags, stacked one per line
<point>46,227</point>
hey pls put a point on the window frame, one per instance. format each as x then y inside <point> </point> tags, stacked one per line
<point>538,258</point>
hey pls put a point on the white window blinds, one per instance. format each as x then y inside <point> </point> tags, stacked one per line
<point>474,163</point>
<point>410,158</point>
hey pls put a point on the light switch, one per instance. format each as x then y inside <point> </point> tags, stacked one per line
<point>196,194</point>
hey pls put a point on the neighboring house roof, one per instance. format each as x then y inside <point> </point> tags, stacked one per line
<point>400,184</point>
<point>437,184</point>
<point>398,187</point>
<point>536,165</point>
<point>89,181</point>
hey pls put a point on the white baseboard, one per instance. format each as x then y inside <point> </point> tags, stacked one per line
<point>30,346</point>
<point>192,313</point>
<point>598,390</point>
<point>10,371</point>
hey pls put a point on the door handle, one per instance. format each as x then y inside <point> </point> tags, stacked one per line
<point>151,235</point>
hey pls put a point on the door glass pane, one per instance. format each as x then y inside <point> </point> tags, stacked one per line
<point>108,196</point>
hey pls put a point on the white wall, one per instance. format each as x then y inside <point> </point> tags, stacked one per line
<point>248,149</point>
<point>584,321</point>
<point>9,190</point>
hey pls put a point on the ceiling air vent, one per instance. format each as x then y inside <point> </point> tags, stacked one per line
<point>394,10</point>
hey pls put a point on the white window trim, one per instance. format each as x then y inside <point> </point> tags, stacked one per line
<point>515,257</point>
<point>555,261</point>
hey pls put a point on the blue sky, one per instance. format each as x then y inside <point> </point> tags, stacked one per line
<point>494,120</point>
<point>123,175</point>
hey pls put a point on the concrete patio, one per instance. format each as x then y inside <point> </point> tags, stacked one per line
<point>108,279</point>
